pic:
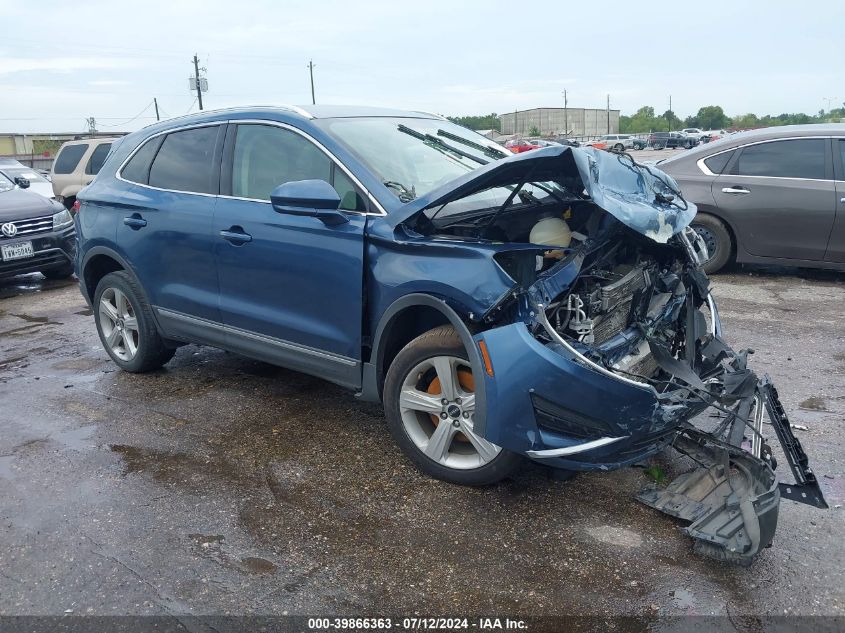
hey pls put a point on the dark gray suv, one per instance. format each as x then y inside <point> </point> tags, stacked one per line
<point>775,195</point>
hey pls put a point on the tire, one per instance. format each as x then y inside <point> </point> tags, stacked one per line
<point>619,147</point>
<point>454,454</point>
<point>718,240</point>
<point>68,202</point>
<point>118,306</point>
<point>58,273</point>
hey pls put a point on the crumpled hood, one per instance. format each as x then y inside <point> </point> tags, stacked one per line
<point>626,190</point>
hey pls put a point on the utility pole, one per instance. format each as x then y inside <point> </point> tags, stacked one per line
<point>608,114</point>
<point>197,71</point>
<point>671,114</point>
<point>565,116</point>
<point>311,71</point>
<point>92,126</point>
<point>155,102</point>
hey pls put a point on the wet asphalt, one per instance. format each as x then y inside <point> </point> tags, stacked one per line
<point>222,485</point>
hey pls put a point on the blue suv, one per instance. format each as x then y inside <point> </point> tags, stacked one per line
<point>548,305</point>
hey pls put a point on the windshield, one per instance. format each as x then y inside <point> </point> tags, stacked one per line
<point>5,184</point>
<point>25,172</point>
<point>414,156</point>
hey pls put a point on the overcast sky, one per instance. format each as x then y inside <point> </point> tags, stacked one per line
<point>63,61</point>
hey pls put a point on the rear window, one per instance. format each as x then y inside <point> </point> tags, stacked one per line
<point>798,158</point>
<point>68,158</point>
<point>185,161</point>
<point>718,162</point>
<point>98,157</point>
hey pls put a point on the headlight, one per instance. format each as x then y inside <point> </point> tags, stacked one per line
<point>62,218</point>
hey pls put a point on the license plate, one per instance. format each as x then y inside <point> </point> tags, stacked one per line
<point>17,251</point>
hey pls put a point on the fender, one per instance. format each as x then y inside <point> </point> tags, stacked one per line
<point>370,388</point>
<point>105,250</point>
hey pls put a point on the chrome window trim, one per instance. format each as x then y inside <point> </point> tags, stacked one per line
<point>700,162</point>
<point>325,150</point>
<point>119,172</point>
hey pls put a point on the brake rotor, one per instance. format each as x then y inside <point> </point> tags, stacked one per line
<point>467,383</point>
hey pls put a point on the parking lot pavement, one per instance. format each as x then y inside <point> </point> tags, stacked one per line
<point>224,485</point>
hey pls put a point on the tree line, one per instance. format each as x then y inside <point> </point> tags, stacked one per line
<point>708,118</point>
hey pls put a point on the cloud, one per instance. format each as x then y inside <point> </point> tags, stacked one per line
<point>108,82</point>
<point>9,65</point>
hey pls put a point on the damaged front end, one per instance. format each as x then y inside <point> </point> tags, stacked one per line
<point>608,347</point>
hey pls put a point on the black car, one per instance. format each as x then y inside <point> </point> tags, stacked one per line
<point>672,140</point>
<point>36,234</point>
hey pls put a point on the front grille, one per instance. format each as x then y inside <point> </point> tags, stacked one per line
<point>31,225</point>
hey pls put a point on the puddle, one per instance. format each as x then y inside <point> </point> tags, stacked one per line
<point>813,403</point>
<point>207,539</point>
<point>258,565</point>
<point>31,319</point>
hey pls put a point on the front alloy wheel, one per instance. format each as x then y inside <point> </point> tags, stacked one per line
<point>430,404</point>
<point>437,405</point>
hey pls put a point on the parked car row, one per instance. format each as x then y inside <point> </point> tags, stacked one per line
<point>774,195</point>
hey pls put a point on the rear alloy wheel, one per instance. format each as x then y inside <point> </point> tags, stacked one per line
<point>430,403</point>
<point>717,239</point>
<point>125,325</point>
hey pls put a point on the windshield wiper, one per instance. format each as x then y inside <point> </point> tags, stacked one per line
<point>405,194</point>
<point>438,144</point>
<point>492,152</point>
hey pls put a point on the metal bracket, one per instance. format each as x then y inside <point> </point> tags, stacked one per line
<point>806,487</point>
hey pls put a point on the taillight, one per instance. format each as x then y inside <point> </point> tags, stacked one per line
<point>75,207</point>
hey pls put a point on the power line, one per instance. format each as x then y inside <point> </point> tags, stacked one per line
<point>137,116</point>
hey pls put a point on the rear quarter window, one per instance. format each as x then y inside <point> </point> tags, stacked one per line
<point>717,163</point>
<point>68,158</point>
<point>185,161</point>
<point>138,167</point>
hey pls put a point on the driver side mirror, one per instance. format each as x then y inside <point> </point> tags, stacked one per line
<point>21,182</point>
<point>314,198</point>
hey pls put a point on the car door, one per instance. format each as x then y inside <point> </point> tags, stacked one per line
<point>836,244</point>
<point>166,223</point>
<point>779,197</point>
<point>291,287</point>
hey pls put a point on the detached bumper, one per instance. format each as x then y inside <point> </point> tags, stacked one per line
<point>546,403</point>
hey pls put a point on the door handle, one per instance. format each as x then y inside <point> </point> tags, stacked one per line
<point>735,190</point>
<point>236,235</point>
<point>842,200</point>
<point>135,221</point>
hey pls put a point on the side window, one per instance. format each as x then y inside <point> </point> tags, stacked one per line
<point>842,158</point>
<point>799,158</point>
<point>266,156</point>
<point>717,163</point>
<point>98,157</point>
<point>68,158</point>
<point>185,161</point>
<point>138,168</point>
